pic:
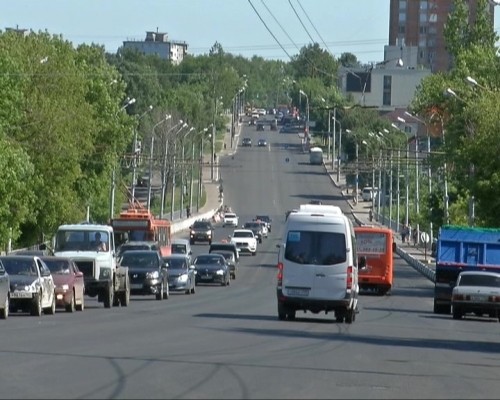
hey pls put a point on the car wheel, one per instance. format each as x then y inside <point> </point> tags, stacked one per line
<point>4,313</point>
<point>125,296</point>
<point>166,294</point>
<point>36,307</point>
<point>457,313</point>
<point>233,276</point>
<point>108,297</point>
<point>52,309</point>
<point>159,295</point>
<point>350,316</point>
<point>81,306</point>
<point>254,253</point>
<point>71,306</point>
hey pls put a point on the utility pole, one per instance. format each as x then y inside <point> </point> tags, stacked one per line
<point>150,172</point>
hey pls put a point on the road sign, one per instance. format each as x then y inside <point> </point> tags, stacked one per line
<point>424,237</point>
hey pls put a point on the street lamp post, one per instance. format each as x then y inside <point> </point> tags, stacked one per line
<point>212,156</point>
<point>135,154</point>
<point>307,113</point>
<point>472,215</point>
<point>182,169</point>
<point>339,146</point>
<point>113,174</point>
<point>167,117</point>
<point>172,199</point>
<point>164,169</point>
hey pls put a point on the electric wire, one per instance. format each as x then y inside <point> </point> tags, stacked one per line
<point>283,29</point>
<point>314,27</point>
<point>300,20</point>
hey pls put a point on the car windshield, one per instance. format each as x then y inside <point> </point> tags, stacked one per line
<point>207,259</point>
<point>263,218</point>
<point>20,267</point>
<point>58,266</point>
<point>479,280</point>
<point>252,225</point>
<point>227,256</point>
<point>141,260</point>
<point>242,234</point>
<point>175,263</point>
<point>317,248</point>
<point>201,225</point>
<point>230,215</point>
<point>179,248</point>
<point>73,239</point>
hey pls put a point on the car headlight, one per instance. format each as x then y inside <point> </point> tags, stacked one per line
<point>64,287</point>
<point>220,272</point>
<point>183,278</point>
<point>152,275</point>
<point>192,233</point>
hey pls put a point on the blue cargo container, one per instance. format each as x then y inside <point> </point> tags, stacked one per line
<point>461,248</point>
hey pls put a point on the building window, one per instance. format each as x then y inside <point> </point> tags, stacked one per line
<point>402,17</point>
<point>422,42</point>
<point>423,29</point>
<point>423,17</point>
<point>401,29</point>
<point>423,4</point>
<point>402,4</point>
<point>386,97</point>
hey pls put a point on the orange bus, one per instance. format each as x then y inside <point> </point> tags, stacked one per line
<point>376,245</point>
<point>139,224</point>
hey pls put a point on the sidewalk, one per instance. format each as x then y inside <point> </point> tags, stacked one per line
<point>417,256</point>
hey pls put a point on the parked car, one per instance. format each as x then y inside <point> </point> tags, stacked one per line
<point>147,273</point>
<point>31,285</point>
<point>476,292</point>
<point>212,268</point>
<point>138,245</point>
<point>68,281</point>
<point>181,274</point>
<point>182,246</point>
<point>4,292</point>
<point>201,231</point>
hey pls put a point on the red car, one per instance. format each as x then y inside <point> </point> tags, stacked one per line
<point>68,282</point>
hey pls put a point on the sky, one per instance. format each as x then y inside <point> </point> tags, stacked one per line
<point>267,28</point>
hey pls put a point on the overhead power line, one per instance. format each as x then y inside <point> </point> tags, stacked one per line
<point>269,30</point>
<point>300,20</point>
<point>314,27</point>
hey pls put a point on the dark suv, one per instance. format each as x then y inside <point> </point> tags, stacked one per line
<point>256,228</point>
<point>201,231</point>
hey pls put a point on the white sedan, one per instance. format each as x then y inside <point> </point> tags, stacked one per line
<point>230,219</point>
<point>476,292</point>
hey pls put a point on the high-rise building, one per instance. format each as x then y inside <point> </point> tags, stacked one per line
<point>421,23</point>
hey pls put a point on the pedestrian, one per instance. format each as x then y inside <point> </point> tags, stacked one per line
<point>370,215</point>
<point>188,212</point>
<point>414,235</point>
<point>404,233</point>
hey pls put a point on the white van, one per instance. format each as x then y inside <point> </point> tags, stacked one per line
<point>316,155</point>
<point>369,193</point>
<point>317,264</point>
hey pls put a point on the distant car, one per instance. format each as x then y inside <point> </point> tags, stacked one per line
<point>256,228</point>
<point>265,230</point>
<point>260,127</point>
<point>181,274</point>
<point>230,219</point>
<point>212,268</point>
<point>4,292</point>
<point>316,202</point>
<point>262,143</point>
<point>266,219</point>
<point>31,285</point>
<point>476,292</point>
<point>147,273</point>
<point>246,142</point>
<point>181,246</point>
<point>201,231</point>
<point>245,240</point>
<point>138,245</point>
<point>68,281</point>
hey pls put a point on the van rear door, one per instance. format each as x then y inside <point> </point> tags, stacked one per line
<point>315,262</point>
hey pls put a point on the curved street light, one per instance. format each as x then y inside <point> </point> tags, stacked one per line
<point>172,198</point>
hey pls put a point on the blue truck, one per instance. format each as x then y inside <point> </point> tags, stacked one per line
<point>461,248</point>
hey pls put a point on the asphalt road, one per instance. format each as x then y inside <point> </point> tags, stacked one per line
<point>227,342</point>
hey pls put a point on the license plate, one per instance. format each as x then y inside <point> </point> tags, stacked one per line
<point>298,292</point>
<point>477,298</point>
<point>135,286</point>
<point>21,295</point>
<point>206,277</point>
